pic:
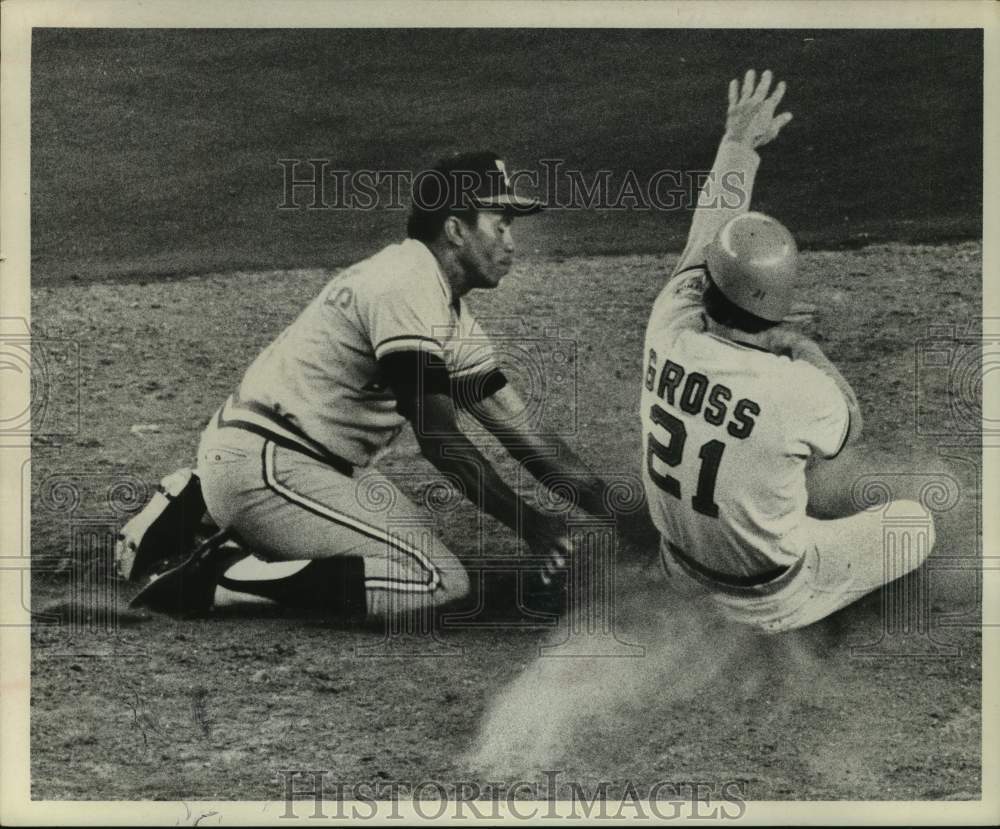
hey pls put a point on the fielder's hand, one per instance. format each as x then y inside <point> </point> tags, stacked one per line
<point>750,119</point>
<point>786,341</point>
<point>547,537</point>
<point>802,314</point>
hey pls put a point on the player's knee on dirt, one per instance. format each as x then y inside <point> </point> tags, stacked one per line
<point>449,585</point>
<point>334,586</point>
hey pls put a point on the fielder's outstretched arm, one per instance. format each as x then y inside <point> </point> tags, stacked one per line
<point>423,390</point>
<point>546,456</point>
<point>750,123</point>
<point>552,462</point>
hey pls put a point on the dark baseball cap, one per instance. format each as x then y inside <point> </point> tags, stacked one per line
<point>476,180</point>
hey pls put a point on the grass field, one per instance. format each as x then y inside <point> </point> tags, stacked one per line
<point>154,158</point>
<point>155,153</point>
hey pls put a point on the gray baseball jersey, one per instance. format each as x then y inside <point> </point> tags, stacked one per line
<point>728,427</point>
<point>321,374</point>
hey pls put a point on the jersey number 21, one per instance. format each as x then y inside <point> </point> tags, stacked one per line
<point>672,454</point>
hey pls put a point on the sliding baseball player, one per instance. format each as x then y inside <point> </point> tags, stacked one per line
<point>747,426</point>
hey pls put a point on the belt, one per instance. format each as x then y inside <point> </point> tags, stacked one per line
<point>264,421</point>
<point>725,579</point>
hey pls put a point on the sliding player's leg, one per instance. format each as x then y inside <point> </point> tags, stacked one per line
<point>844,559</point>
<point>862,476</point>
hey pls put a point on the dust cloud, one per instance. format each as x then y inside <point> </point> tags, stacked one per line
<point>685,651</point>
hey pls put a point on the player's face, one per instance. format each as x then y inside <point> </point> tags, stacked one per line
<point>489,250</point>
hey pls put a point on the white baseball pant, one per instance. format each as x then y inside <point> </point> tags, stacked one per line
<point>842,560</point>
<point>289,507</point>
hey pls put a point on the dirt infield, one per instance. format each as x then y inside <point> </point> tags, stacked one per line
<point>132,706</point>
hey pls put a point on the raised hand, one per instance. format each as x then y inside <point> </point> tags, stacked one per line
<point>750,118</point>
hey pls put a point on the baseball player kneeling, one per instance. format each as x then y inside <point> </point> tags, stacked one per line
<point>286,465</point>
<point>746,423</point>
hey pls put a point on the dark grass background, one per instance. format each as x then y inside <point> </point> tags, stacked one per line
<point>154,152</point>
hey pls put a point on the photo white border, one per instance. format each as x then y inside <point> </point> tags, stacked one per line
<point>19,16</point>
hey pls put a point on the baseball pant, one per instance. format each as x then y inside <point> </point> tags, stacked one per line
<point>842,560</point>
<point>288,508</point>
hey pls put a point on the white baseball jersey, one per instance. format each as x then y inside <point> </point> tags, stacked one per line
<point>728,427</point>
<point>321,375</point>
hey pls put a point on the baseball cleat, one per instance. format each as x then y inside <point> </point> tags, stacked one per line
<point>189,589</point>
<point>165,527</point>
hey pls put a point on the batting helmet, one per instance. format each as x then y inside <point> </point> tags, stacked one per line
<point>754,262</point>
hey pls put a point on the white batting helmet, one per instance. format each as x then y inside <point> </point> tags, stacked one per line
<point>754,262</point>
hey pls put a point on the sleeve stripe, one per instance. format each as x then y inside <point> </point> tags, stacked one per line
<point>406,342</point>
<point>409,337</point>
<point>689,268</point>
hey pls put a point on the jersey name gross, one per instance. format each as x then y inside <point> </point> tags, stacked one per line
<point>699,395</point>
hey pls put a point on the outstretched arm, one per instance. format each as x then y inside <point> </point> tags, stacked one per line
<point>750,123</point>
<point>422,387</point>
<point>552,462</point>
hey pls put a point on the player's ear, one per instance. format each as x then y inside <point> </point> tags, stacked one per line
<point>454,230</point>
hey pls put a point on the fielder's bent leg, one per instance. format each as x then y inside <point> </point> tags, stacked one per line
<point>291,509</point>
